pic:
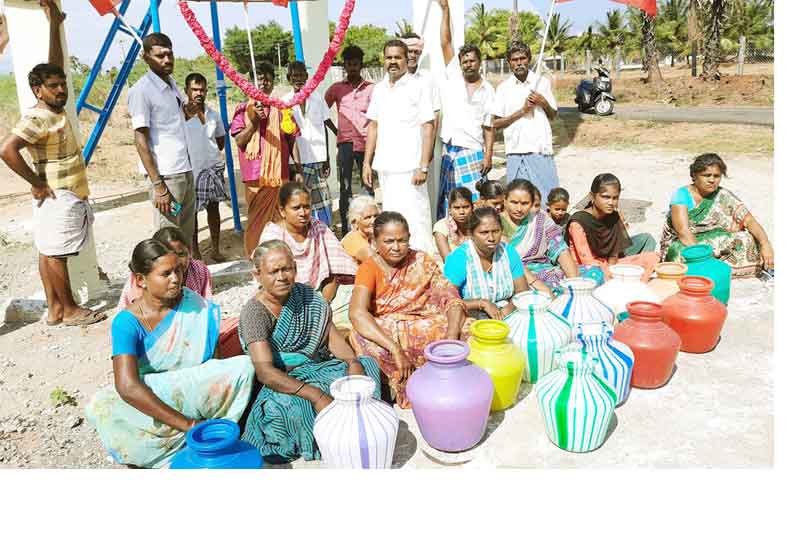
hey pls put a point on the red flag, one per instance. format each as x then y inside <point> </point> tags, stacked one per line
<point>104,7</point>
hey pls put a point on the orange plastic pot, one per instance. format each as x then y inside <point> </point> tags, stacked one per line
<point>695,314</point>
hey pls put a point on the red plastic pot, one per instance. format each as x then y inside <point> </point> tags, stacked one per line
<point>655,345</point>
<point>695,314</point>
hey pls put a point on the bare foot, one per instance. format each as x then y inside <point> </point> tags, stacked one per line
<point>217,256</point>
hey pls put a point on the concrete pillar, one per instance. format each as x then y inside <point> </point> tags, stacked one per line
<point>29,32</point>
<point>314,31</point>
<point>427,23</point>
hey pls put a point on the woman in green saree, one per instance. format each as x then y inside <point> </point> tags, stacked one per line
<point>297,353</point>
<point>705,212</point>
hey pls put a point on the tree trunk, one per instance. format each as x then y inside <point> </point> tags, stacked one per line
<point>712,13</point>
<point>649,46</point>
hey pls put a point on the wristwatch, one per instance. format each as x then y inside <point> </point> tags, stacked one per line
<point>424,169</point>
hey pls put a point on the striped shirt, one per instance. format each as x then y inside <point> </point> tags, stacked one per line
<point>54,150</point>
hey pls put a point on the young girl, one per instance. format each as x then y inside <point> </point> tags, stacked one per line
<point>557,206</point>
<point>492,194</point>
<point>598,236</point>
<point>452,231</point>
<point>537,200</point>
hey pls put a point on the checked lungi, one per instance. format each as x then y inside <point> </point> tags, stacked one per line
<point>210,186</point>
<point>319,190</point>
<point>459,167</point>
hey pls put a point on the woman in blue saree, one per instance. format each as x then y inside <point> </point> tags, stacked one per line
<point>297,352</point>
<point>165,381</point>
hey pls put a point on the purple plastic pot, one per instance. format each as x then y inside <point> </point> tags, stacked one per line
<point>451,397</point>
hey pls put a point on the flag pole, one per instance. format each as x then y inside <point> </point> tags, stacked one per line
<point>543,42</point>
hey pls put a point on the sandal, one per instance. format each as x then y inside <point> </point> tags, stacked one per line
<point>53,323</point>
<point>92,317</point>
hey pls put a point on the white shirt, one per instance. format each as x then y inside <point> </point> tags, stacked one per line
<point>156,105</point>
<point>464,115</point>
<point>426,77</point>
<point>201,140</point>
<point>311,141</point>
<point>527,134</point>
<point>400,110</point>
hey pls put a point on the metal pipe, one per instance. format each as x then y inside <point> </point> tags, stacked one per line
<point>296,30</point>
<point>154,10</point>
<point>221,87</point>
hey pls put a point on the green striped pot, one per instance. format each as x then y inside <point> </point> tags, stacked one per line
<point>537,332</point>
<point>576,403</point>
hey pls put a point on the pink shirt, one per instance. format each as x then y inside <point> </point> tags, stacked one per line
<point>352,104</point>
<point>249,169</point>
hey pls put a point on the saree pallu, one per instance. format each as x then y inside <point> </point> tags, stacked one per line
<point>281,425</point>
<point>174,369</point>
<point>719,221</point>
<point>539,242</point>
<point>411,307</point>
<point>496,286</point>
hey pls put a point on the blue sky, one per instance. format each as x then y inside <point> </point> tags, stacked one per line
<point>85,30</point>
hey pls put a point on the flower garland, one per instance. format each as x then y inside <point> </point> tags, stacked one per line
<point>250,90</point>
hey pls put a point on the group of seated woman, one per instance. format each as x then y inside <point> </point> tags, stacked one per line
<point>169,373</point>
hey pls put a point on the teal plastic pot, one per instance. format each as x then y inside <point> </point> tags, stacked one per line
<point>701,262</point>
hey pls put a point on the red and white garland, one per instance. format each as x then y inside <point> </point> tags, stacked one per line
<point>250,90</point>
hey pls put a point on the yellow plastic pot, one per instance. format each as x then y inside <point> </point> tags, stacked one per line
<point>504,361</point>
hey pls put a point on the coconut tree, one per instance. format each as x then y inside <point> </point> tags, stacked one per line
<point>559,34</point>
<point>482,30</point>
<point>613,33</point>
<point>711,16</point>
<point>672,31</point>
<point>651,57</point>
<point>404,27</point>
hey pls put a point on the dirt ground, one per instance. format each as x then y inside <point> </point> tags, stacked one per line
<point>716,411</point>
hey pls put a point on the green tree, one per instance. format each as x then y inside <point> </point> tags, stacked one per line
<point>404,27</point>
<point>530,29</point>
<point>483,31</point>
<point>369,37</point>
<point>672,28</point>
<point>266,39</point>
<point>612,33</point>
<point>753,19</point>
<point>559,34</point>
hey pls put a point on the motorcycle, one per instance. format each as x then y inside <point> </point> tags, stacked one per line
<point>596,94</point>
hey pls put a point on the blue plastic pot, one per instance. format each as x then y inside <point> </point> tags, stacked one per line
<point>216,444</point>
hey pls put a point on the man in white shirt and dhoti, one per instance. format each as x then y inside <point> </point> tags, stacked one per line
<point>400,144</point>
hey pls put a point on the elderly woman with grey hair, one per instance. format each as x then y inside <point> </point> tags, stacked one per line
<point>297,353</point>
<point>358,242</point>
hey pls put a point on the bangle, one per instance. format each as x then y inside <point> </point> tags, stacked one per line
<point>299,388</point>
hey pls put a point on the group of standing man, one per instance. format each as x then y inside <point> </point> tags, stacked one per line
<point>389,127</point>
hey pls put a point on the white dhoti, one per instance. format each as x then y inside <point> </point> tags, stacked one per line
<point>62,226</point>
<point>413,202</point>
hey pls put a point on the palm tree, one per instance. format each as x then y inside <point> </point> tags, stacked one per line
<point>559,34</point>
<point>613,33</point>
<point>404,27</point>
<point>482,30</point>
<point>672,28</point>
<point>651,58</point>
<point>753,19</point>
<point>711,16</point>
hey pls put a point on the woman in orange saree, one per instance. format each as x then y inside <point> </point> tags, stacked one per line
<point>401,302</point>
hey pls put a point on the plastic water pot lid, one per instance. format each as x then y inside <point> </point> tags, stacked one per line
<point>447,351</point>
<point>213,435</point>
<point>625,270</point>
<point>670,269</point>
<point>535,300</point>
<point>351,388</point>
<point>493,330</point>
<point>697,252</point>
<point>573,356</point>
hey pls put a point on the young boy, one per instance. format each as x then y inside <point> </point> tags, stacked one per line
<point>312,117</point>
<point>557,206</point>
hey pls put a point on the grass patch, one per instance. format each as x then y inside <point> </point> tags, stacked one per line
<point>60,397</point>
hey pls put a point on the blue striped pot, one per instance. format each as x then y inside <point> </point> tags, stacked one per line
<point>537,332</point>
<point>577,304</point>
<point>614,359</point>
<point>575,401</point>
<point>356,431</point>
